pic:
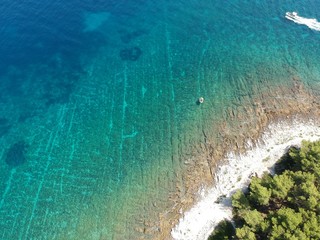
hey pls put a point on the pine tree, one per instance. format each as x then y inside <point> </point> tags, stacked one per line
<point>284,206</point>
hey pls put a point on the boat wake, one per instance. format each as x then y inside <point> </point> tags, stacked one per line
<point>312,23</point>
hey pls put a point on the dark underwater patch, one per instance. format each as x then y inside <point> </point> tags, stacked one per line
<point>16,154</point>
<point>25,115</point>
<point>58,90</point>
<point>128,37</point>
<point>4,126</point>
<point>130,54</point>
<point>4,130</point>
<point>58,94</point>
<point>3,121</point>
<point>13,86</point>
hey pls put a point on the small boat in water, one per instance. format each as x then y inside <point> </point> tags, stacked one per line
<point>312,23</point>
<point>291,15</point>
<point>200,100</point>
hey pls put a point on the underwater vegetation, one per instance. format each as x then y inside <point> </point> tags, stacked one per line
<point>16,154</point>
<point>24,115</point>
<point>14,84</point>
<point>130,54</point>
<point>58,94</point>
<point>58,90</point>
<point>128,37</point>
<point>4,126</point>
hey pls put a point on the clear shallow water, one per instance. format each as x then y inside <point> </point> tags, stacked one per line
<point>98,102</point>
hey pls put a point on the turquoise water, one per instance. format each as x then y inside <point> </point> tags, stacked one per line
<point>98,107</point>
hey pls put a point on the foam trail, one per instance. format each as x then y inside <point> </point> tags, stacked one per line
<point>214,205</point>
<point>312,23</point>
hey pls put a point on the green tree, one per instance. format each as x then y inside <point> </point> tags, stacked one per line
<point>240,201</point>
<point>281,185</point>
<point>245,233</point>
<point>224,230</point>
<point>284,206</point>
<point>259,194</point>
<point>287,218</point>
<point>311,223</point>
<point>252,218</point>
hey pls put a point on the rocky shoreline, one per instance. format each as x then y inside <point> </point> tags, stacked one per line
<point>242,131</point>
<point>215,203</point>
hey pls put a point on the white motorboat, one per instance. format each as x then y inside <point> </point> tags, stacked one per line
<point>312,23</point>
<point>291,15</point>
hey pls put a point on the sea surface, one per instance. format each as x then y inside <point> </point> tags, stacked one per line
<point>98,102</point>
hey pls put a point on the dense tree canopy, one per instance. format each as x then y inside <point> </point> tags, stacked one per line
<point>283,206</point>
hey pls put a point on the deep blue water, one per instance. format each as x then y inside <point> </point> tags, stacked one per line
<point>98,101</point>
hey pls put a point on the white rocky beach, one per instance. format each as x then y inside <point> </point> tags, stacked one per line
<point>214,204</point>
